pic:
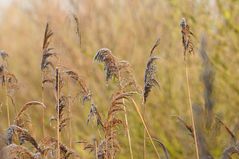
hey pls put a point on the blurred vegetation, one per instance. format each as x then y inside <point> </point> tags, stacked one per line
<point>129,29</point>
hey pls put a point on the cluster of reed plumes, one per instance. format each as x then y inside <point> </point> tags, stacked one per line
<point>59,78</point>
<point>20,142</point>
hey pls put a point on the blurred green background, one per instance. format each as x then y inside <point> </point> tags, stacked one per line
<point>129,28</point>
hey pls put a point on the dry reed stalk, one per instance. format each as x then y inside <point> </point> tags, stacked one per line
<point>163,147</point>
<point>189,48</point>
<point>96,149</point>
<point>127,129</point>
<point>126,122</point>
<point>70,124</point>
<point>6,102</point>
<point>128,132</point>
<point>144,150</point>
<point>230,132</point>
<point>19,120</point>
<point>69,117</point>
<point>191,110</point>
<point>145,127</point>
<point>43,111</point>
<point>58,111</point>
<point>127,82</point>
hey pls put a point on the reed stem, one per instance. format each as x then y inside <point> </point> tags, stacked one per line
<point>142,119</point>
<point>144,153</point>
<point>6,101</point>
<point>128,133</point>
<point>191,109</point>
<point>58,113</point>
<point>43,111</point>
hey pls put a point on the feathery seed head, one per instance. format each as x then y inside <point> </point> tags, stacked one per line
<point>150,76</point>
<point>183,23</point>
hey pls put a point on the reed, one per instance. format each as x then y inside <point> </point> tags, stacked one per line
<point>189,48</point>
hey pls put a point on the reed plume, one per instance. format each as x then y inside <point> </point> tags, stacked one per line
<point>23,135</point>
<point>46,50</point>
<point>109,146</point>
<point>110,65</point>
<point>150,81</point>
<point>47,66</point>
<point>14,151</point>
<point>63,103</point>
<point>84,91</point>
<point>94,113</point>
<point>150,77</point>
<point>122,71</point>
<point>110,142</point>
<point>188,48</point>
<point>186,38</point>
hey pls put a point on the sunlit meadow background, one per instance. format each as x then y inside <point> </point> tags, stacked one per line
<point>129,28</point>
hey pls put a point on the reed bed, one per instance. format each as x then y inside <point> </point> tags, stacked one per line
<point>121,107</point>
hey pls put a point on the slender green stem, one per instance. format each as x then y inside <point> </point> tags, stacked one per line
<point>128,133</point>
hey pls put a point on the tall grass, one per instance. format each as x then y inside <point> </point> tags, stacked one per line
<point>124,127</point>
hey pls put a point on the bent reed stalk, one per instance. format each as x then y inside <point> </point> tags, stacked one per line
<point>145,127</point>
